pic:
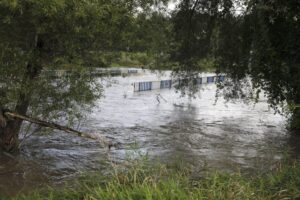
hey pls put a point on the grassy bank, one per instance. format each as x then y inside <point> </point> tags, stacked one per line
<point>141,182</point>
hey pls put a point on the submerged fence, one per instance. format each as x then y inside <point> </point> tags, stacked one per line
<point>156,85</point>
<point>152,85</point>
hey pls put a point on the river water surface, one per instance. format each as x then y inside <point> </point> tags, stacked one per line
<point>200,132</point>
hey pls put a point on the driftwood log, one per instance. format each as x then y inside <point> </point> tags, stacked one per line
<point>8,114</point>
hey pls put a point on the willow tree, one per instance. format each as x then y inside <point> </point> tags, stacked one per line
<point>260,42</point>
<point>263,44</point>
<point>39,36</point>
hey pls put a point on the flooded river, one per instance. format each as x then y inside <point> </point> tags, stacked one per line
<point>200,132</point>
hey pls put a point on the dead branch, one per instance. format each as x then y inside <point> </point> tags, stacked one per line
<point>52,125</point>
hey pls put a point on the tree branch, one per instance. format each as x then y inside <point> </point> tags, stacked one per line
<point>52,125</point>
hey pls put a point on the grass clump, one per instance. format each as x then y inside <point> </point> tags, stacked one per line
<point>139,181</point>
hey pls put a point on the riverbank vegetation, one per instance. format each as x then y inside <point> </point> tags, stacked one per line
<point>160,182</point>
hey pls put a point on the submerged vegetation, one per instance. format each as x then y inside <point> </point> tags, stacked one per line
<point>140,181</point>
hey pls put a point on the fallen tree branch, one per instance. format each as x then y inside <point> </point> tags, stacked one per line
<point>52,125</point>
<point>42,123</point>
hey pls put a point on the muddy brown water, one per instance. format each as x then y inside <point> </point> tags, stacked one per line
<point>199,132</point>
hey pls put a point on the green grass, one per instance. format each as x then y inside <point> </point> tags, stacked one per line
<point>142,182</point>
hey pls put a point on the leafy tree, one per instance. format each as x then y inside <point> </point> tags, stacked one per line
<point>39,36</point>
<point>266,49</point>
<point>260,43</point>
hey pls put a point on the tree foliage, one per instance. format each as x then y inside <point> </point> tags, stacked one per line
<point>37,37</point>
<point>260,43</point>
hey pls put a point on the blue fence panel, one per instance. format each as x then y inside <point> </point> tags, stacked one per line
<point>210,79</point>
<point>221,78</point>
<point>144,86</point>
<point>165,84</point>
<point>132,71</point>
<point>198,81</point>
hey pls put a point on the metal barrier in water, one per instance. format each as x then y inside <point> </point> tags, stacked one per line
<point>163,84</point>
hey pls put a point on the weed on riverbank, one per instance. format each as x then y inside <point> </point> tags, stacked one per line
<point>141,182</point>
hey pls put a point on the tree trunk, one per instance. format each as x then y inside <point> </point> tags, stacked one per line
<point>9,139</point>
<point>295,121</point>
<point>9,134</point>
<point>9,131</point>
